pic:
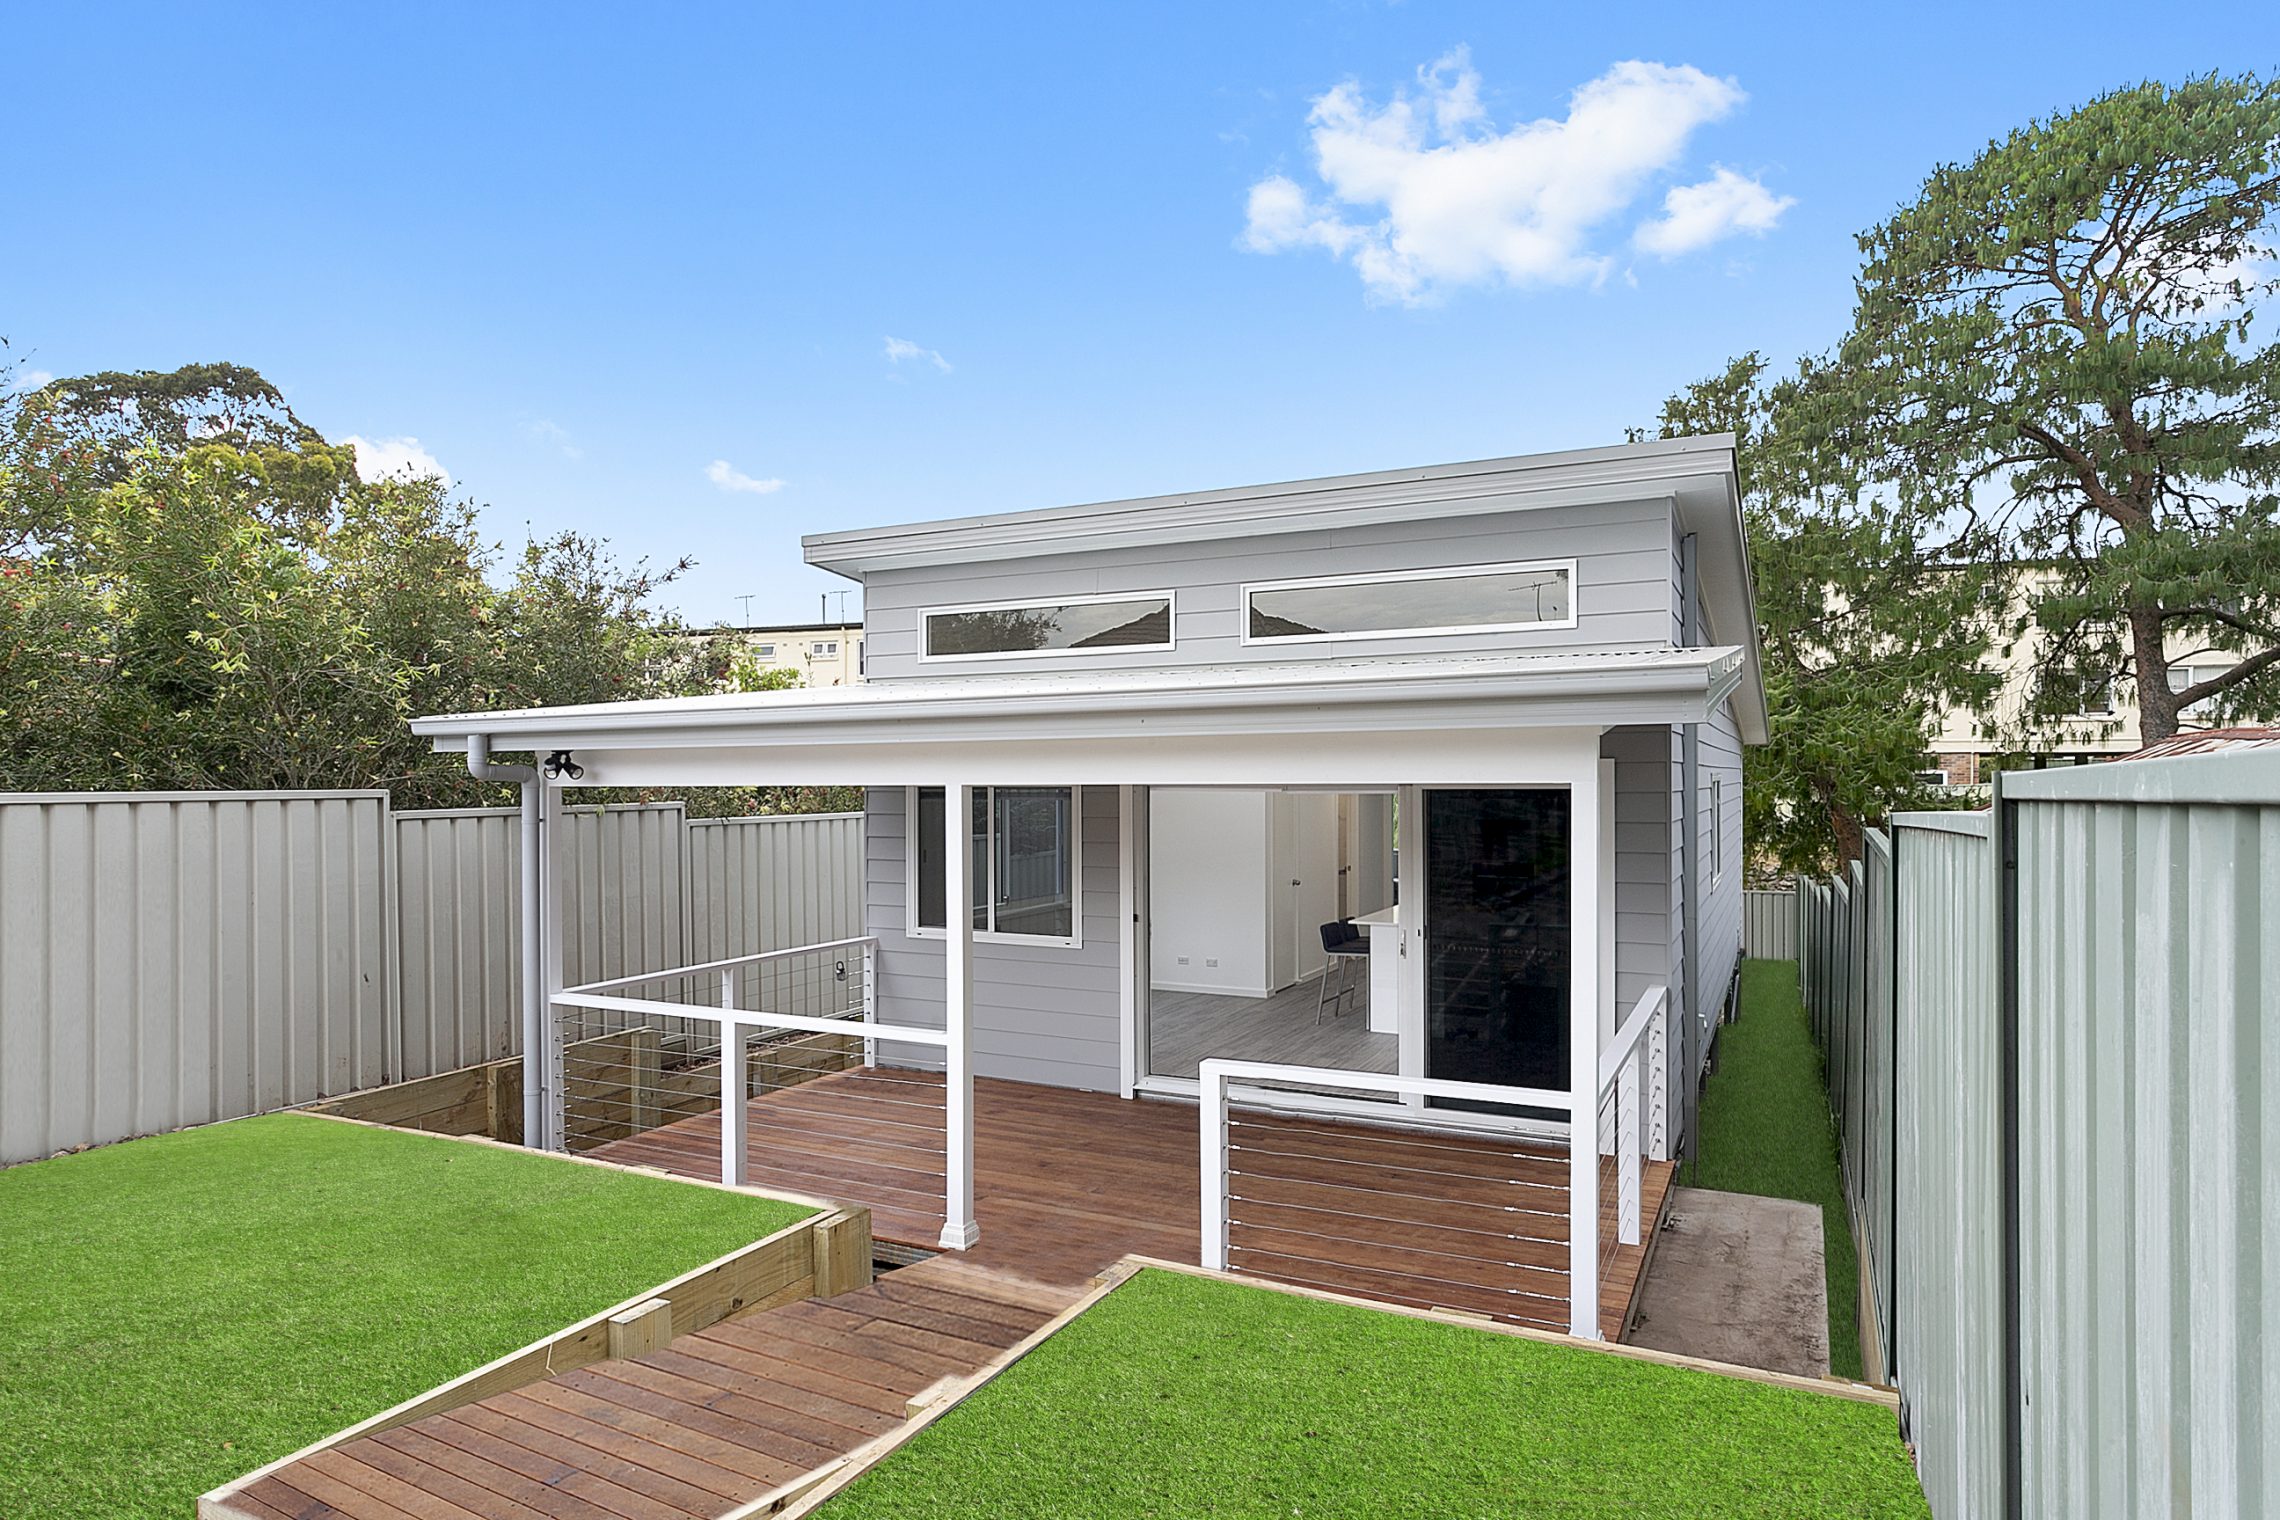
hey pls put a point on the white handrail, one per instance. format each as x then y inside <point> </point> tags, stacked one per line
<point>757,1018</point>
<point>1632,1065</point>
<point>1650,1007</point>
<point>734,961</point>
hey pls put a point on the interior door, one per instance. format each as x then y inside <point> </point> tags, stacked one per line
<point>1499,942</point>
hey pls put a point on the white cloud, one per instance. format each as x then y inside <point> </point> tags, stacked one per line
<point>729,478</point>
<point>1458,202</point>
<point>547,430</point>
<point>899,349</point>
<point>30,380</point>
<point>378,457</point>
<point>1695,216</point>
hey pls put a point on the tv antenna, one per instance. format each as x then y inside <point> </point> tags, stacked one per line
<point>747,601</point>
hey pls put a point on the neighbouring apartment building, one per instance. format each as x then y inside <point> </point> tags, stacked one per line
<point>824,654</point>
<point>1968,747</point>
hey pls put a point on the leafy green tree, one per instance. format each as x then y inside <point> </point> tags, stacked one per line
<point>1864,639</point>
<point>2053,363</point>
<point>196,590</point>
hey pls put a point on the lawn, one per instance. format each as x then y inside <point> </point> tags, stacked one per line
<point>1766,1130</point>
<point>1180,1396</point>
<point>183,1308</point>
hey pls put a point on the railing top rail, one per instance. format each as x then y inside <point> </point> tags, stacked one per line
<point>730,964</point>
<point>1218,1069</point>
<point>1650,1006</point>
<point>912,1034</point>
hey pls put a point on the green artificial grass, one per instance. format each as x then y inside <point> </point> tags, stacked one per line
<point>1766,1130</point>
<point>1180,1396</point>
<point>181,1309</point>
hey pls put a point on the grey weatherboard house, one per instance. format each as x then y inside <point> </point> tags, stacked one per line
<point>1408,796</point>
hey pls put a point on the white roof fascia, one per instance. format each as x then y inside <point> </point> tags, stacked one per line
<point>1598,689</point>
<point>1580,477</point>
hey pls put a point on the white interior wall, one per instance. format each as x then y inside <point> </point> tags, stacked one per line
<point>1208,898</point>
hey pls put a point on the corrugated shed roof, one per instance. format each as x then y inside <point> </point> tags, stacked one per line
<point>2209,741</point>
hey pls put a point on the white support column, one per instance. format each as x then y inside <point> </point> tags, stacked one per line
<point>1584,866</point>
<point>1212,1185</point>
<point>959,1230</point>
<point>553,863</point>
<point>732,1106</point>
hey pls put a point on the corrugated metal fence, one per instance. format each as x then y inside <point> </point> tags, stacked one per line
<point>171,959</point>
<point>2046,1031</point>
<point>1769,924</point>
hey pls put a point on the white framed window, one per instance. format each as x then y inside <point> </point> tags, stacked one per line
<point>764,651</point>
<point>1121,622</point>
<point>1717,829</point>
<point>1505,598</point>
<point>1027,864</point>
<point>828,649</point>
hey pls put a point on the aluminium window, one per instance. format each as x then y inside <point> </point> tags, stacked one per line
<point>1717,829</point>
<point>827,650</point>
<point>1118,623</point>
<point>1025,851</point>
<point>764,651</point>
<point>1507,598</point>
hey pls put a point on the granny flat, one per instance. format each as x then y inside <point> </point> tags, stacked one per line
<point>1338,880</point>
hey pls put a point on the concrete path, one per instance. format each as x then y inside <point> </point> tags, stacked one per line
<point>1738,1279</point>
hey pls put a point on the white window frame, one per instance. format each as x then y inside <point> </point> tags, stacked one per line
<point>1717,830</point>
<point>827,649</point>
<point>1171,625</point>
<point>1390,577</point>
<point>1074,940</point>
<point>763,651</point>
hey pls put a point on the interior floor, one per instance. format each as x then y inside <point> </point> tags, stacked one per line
<point>1186,1027</point>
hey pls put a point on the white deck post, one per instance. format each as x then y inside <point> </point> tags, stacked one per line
<point>1627,1088</point>
<point>732,1110</point>
<point>1211,1090</point>
<point>958,1227</point>
<point>1583,1047</point>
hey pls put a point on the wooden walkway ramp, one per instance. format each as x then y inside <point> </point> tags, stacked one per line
<point>688,1433</point>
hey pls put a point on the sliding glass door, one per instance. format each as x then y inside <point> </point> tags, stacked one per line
<point>1499,944</point>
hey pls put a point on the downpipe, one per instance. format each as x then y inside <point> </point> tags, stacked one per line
<point>481,767</point>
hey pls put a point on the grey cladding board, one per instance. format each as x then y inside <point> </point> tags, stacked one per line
<point>1042,1013</point>
<point>1623,593</point>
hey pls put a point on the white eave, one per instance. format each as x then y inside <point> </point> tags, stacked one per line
<point>1663,469</point>
<point>1596,689</point>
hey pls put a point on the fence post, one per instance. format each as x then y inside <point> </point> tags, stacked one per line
<point>1213,1191</point>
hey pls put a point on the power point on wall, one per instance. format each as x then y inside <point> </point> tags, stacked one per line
<point>1211,960</point>
<point>1183,960</point>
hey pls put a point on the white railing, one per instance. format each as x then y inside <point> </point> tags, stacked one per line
<point>1218,1082</point>
<point>720,980</point>
<point>1634,1077</point>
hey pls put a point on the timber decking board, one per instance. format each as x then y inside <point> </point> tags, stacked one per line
<point>1067,1182</point>
<point>718,1418</point>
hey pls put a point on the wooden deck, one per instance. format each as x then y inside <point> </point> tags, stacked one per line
<point>689,1433</point>
<point>1067,1182</point>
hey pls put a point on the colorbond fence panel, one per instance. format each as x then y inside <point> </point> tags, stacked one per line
<point>2054,1073</point>
<point>1769,924</point>
<point>171,959</point>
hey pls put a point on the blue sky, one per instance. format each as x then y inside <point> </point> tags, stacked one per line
<point>581,254</point>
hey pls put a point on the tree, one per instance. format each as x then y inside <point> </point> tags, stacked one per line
<point>1863,639</point>
<point>196,590</point>
<point>2053,365</point>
